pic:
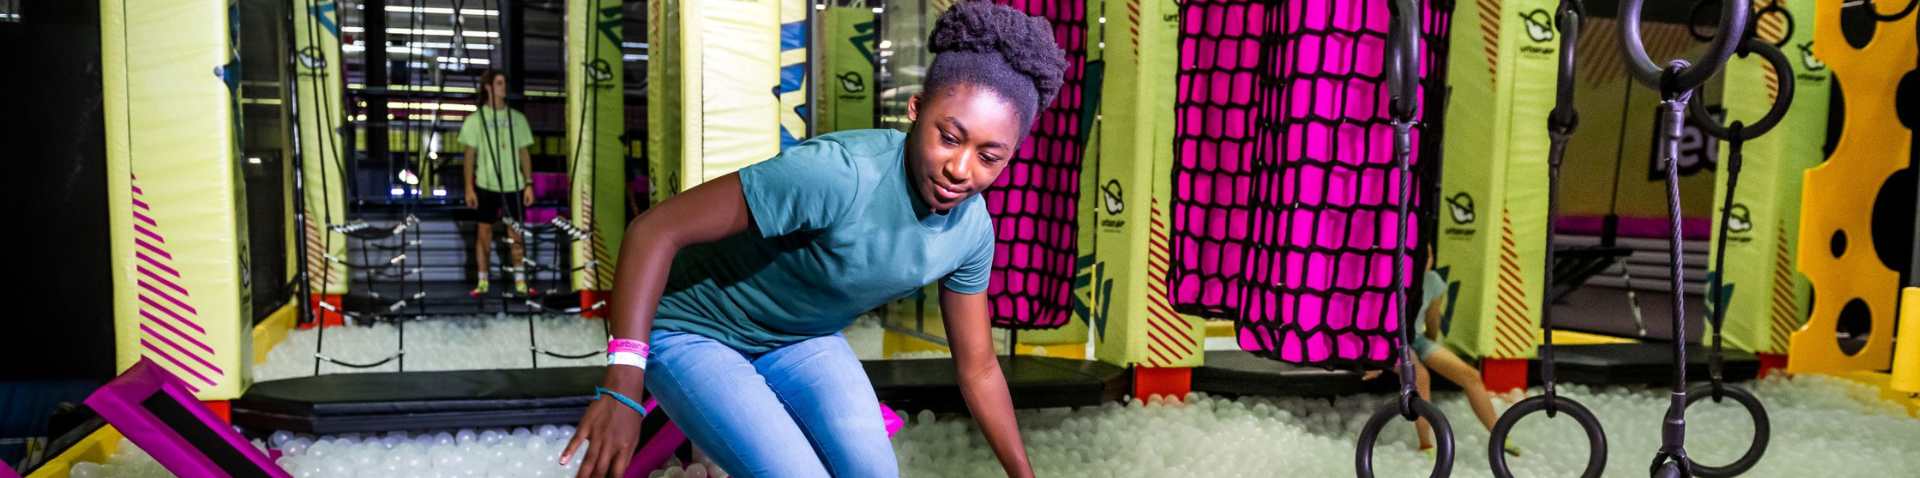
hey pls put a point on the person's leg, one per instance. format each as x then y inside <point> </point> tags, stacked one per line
<point>486,211</point>
<point>515,211</point>
<point>714,394</point>
<point>828,393</point>
<point>1423,384</point>
<point>482,250</point>
<point>1450,367</point>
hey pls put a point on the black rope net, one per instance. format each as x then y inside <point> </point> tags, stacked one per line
<point>1286,196</point>
<point>1034,202</point>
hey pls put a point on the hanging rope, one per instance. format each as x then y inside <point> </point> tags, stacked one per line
<point>1675,82</point>
<point>1403,82</point>
<point>1561,123</point>
<point>1736,135</point>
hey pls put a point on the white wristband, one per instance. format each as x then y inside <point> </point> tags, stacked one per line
<point>628,359</point>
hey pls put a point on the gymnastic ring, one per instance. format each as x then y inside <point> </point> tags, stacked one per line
<point>1387,412</point>
<point>1693,21</point>
<point>1596,436</point>
<point>1762,430</point>
<point>1403,58</point>
<point>1697,111</point>
<point>1732,13</point>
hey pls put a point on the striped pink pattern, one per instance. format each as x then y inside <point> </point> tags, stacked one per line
<point>170,330</point>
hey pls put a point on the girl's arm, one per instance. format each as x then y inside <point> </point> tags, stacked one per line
<point>708,212</point>
<point>1433,317</point>
<point>981,383</point>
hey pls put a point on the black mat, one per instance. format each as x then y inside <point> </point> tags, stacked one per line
<point>1238,373</point>
<point>1649,363</point>
<point>1606,311</point>
<point>371,402</point>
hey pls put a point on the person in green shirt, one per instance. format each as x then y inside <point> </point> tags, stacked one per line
<point>497,167</point>
<point>741,285</point>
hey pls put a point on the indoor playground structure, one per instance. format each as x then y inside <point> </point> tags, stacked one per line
<point>1438,238</point>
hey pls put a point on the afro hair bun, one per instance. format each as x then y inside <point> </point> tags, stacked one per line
<point>1025,41</point>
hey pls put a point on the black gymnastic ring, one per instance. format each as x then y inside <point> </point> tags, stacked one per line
<point>1693,21</point>
<point>1697,110</point>
<point>1387,412</point>
<point>1403,58</point>
<point>1762,430</point>
<point>1596,436</point>
<point>1732,12</point>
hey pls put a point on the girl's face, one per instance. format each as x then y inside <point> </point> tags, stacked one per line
<point>960,142</point>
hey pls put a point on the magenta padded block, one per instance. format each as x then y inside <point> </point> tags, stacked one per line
<point>154,410</point>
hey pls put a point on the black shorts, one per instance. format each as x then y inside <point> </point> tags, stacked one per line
<point>496,205</point>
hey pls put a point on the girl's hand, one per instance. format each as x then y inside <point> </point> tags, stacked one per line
<point>473,201</point>
<point>526,196</point>
<point>611,431</point>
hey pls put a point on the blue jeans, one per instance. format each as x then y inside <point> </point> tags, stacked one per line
<point>748,413</point>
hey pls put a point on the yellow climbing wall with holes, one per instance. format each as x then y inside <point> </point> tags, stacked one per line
<point>1838,256</point>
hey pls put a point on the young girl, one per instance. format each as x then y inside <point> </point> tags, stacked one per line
<point>1434,356</point>
<point>742,284</point>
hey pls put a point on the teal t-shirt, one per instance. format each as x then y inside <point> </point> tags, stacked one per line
<point>1432,290</point>
<point>838,230</point>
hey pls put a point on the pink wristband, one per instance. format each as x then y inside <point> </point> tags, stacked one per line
<point>627,345</point>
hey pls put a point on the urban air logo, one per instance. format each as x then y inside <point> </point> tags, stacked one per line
<point>852,83</point>
<point>1807,59</point>
<point>1460,210</point>
<point>1539,25</point>
<point>1540,30</point>
<point>599,72</point>
<point>312,61</point>
<point>1739,223</point>
<point>1113,197</point>
<point>1739,219</point>
<point>1113,203</point>
<point>1461,207</point>
<point>1097,300</point>
<point>1812,67</point>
